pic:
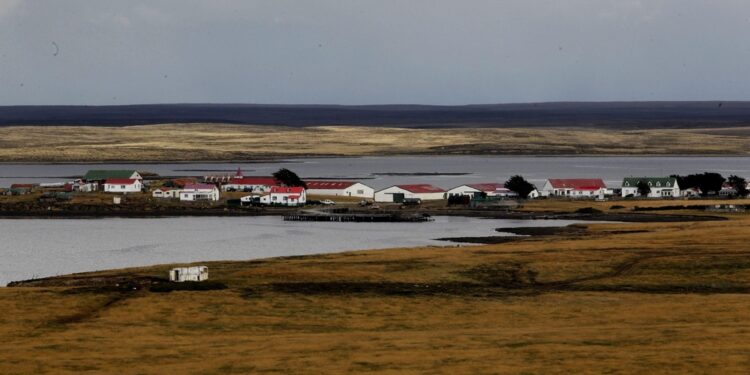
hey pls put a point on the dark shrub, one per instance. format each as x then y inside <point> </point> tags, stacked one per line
<point>187,285</point>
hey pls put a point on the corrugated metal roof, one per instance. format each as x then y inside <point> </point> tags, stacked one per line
<point>577,183</point>
<point>104,174</point>
<point>421,188</point>
<point>329,184</point>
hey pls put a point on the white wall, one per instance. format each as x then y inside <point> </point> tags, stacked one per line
<point>386,195</point>
<point>357,190</point>
<point>117,188</point>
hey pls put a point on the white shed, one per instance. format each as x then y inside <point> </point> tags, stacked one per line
<point>199,192</point>
<point>180,274</point>
<point>398,193</point>
<point>123,185</point>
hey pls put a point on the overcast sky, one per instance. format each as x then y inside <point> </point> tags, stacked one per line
<point>372,52</point>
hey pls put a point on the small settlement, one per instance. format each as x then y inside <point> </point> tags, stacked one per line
<point>242,190</point>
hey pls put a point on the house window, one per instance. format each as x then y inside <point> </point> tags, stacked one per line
<point>122,186</point>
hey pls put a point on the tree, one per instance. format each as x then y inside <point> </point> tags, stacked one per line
<point>289,178</point>
<point>520,186</point>
<point>707,182</point>
<point>739,184</point>
<point>643,189</point>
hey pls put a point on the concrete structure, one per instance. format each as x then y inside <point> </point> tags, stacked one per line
<point>398,193</point>
<point>123,185</point>
<point>285,196</point>
<point>491,189</point>
<point>574,187</point>
<point>339,188</point>
<point>661,187</point>
<point>199,192</point>
<point>182,274</point>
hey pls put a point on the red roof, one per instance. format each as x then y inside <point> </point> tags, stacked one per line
<point>488,187</point>
<point>199,187</point>
<point>421,188</point>
<point>577,183</point>
<point>22,186</point>
<point>120,181</point>
<point>329,184</point>
<point>287,189</point>
<point>269,181</point>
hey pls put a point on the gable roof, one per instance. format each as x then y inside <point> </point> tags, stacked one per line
<point>577,183</point>
<point>652,181</point>
<point>120,181</point>
<point>287,189</point>
<point>103,174</point>
<point>421,188</point>
<point>329,184</point>
<point>489,187</point>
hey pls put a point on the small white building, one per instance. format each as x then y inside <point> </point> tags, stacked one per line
<point>574,187</point>
<point>398,193</point>
<point>339,189</point>
<point>181,274</point>
<point>660,187</point>
<point>123,185</point>
<point>199,192</point>
<point>491,189</point>
<point>166,192</point>
<point>285,196</point>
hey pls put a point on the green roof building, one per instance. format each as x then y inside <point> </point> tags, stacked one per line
<point>660,187</point>
<point>104,174</point>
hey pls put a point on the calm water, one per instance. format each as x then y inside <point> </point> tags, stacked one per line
<point>369,169</point>
<point>47,247</point>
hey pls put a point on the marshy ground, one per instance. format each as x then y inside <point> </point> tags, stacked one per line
<point>598,298</point>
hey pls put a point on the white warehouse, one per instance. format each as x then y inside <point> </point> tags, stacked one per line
<point>340,189</point>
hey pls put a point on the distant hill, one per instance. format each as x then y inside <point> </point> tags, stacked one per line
<point>615,115</point>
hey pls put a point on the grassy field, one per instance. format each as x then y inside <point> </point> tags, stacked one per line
<point>183,142</point>
<point>618,298</point>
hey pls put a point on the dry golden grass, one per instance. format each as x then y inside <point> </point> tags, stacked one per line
<point>188,142</point>
<point>624,298</point>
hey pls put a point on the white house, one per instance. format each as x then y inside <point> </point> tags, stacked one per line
<point>398,193</point>
<point>574,187</point>
<point>199,192</point>
<point>285,196</point>
<point>123,185</point>
<point>166,192</point>
<point>339,188</point>
<point>660,187</point>
<point>492,189</point>
<point>181,274</point>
